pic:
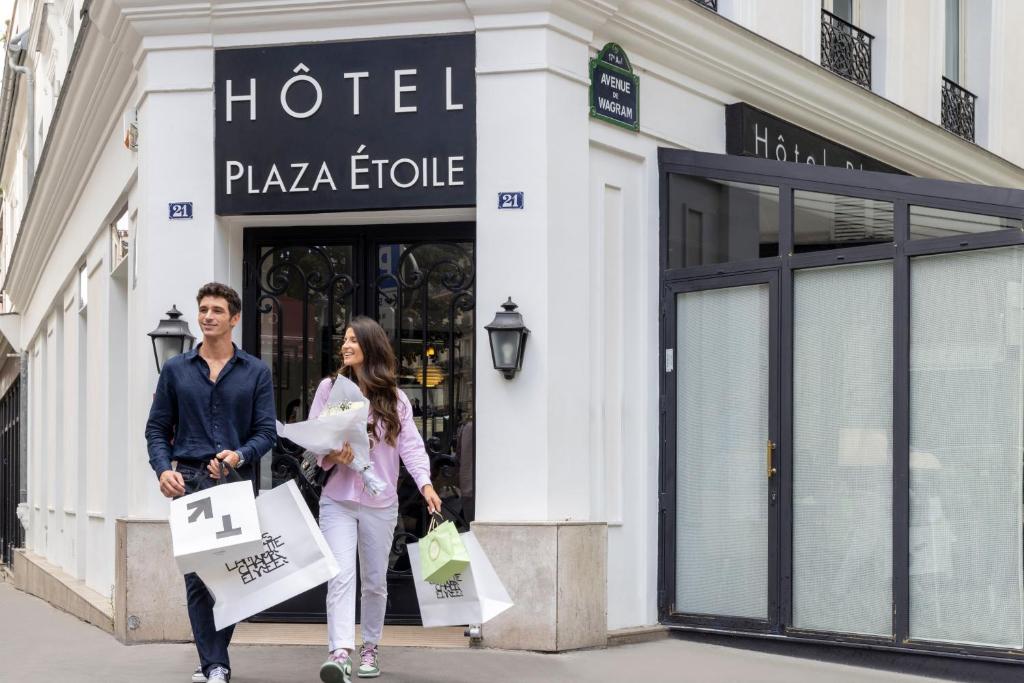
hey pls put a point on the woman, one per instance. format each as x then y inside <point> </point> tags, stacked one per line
<point>351,518</point>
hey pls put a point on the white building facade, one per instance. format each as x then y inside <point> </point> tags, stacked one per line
<point>133,172</point>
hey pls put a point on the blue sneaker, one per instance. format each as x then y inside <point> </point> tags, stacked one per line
<point>337,668</point>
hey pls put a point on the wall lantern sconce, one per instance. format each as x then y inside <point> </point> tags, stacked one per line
<point>170,338</point>
<point>508,340</point>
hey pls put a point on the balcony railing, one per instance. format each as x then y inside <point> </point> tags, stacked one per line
<point>845,49</point>
<point>710,4</point>
<point>958,109</point>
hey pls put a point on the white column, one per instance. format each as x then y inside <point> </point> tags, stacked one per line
<point>532,136</point>
<point>175,257</point>
<point>534,484</point>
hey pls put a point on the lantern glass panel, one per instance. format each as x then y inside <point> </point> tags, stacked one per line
<point>167,348</point>
<point>505,346</point>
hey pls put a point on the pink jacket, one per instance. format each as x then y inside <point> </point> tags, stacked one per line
<point>345,484</point>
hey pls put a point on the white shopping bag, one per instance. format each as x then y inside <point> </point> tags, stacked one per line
<point>210,525</point>
<point>474,596</point>
<point>293,558</point>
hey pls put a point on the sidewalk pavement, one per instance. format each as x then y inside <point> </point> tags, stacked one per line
<point>41,643</point>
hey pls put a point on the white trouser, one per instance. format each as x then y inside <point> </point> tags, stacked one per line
<point>345,526</point>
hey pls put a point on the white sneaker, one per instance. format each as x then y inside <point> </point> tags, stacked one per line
<point>218,674</point>
<point>198,676</point>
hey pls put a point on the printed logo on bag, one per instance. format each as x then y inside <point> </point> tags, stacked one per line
<point>434,550</point>
<point>449,589</point>
<point>204,507</point>
<point>255,566</point>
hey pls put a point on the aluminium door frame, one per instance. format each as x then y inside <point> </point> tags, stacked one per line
<point>902,191</point>
<point>771,623</point>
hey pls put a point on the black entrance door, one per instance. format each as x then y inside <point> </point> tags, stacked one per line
<point>10,476</point>
<point>302,286</point>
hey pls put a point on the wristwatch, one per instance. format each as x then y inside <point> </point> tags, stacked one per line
<point>241,459</point>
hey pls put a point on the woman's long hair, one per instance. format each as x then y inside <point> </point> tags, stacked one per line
<point>376,376</point>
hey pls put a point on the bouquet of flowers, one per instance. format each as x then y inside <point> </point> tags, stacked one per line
<point>340,422</point>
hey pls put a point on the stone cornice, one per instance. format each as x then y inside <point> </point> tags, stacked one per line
<point>96,90</point>
<point>707,47</point>
<point>675,35</point>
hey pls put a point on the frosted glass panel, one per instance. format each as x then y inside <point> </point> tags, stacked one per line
<point>965,441</point>
<point>842,449</point>
<point>722,429</point>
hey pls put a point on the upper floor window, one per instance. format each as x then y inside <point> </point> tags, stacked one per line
<point>119,240</point>
<point>958,103</point>
<point>953,68</point>
<point>83,288</point>
<point>842,9</point>
<point>845,48</point>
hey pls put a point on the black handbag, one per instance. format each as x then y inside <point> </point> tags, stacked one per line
<point>314,475</point>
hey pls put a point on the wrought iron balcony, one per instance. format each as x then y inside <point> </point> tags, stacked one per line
<point>958,109</point>
<point>710,4</point>
<point>846,49</point>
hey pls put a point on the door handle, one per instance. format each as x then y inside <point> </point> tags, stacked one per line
<point>770,454</point>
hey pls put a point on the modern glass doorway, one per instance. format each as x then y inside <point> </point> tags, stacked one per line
<point>302,286</point>
<point>842,453</point>
<point>725,429</point>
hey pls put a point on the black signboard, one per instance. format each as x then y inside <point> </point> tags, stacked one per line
<point>377,124</point>
<point>753,133</point>
<point>614,88</point>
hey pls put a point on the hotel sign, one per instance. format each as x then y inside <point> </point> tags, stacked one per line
<point>753,133</point>
<point>614,88</point>
<point>360,125</point>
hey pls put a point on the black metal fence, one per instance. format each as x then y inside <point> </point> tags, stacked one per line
<point>958,109</point>
<point>845,49</point>
<point>10,488</point>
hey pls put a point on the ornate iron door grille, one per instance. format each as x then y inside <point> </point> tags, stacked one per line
<point>958,109</point>
<point>10,494</point>
<point>301,289</point>
<point>845,49</point>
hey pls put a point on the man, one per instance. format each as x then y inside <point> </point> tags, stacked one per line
<point>213,404</point>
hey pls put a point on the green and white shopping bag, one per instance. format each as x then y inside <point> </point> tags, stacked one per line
<point>442,554</point>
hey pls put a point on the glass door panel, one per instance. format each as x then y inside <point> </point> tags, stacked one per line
<point>723,384</point>
<point>425,302</point>
<point>842,448</point>
<point>305,299</point>
<point>966,420</point>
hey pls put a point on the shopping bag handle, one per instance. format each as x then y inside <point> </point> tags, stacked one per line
<point>224,474</point>
<point>433,521</point>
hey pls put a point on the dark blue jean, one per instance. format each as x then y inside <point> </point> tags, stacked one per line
<point>211,644</point>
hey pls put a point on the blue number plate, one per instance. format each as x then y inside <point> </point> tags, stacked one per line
<point>179,210</point>
<point>511,200</point>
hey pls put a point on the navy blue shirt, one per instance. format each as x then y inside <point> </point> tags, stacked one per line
<point>204,418</point>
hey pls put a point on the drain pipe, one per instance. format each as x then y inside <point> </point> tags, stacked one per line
<point>18,45</point>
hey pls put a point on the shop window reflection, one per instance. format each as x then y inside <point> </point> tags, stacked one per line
<point>425,303</point>
<point>831,221</point>
<point>305,300</point>
<point>716,221</point>
<point>927,222</point>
